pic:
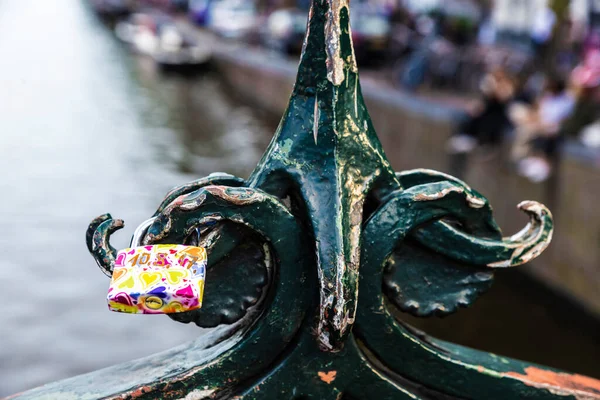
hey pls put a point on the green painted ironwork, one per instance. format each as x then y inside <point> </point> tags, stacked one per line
<point>309,256</point>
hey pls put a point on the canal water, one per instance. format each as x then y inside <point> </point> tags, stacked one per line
<point>87,128</point>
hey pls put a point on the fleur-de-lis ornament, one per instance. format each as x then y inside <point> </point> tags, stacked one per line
<point>310,254</point>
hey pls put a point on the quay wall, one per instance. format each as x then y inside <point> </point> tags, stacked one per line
<point>413,131</point>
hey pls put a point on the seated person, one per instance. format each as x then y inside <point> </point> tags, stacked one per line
<point>537,132</point>
<point>487,123</point>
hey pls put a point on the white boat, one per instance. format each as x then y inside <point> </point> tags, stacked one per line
<point>160,38</point>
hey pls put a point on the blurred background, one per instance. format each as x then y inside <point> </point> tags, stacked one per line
<point>107,104</point>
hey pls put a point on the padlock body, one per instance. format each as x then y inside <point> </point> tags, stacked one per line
<point>159,279</point>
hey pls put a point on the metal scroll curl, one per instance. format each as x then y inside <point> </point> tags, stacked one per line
<point>232,218</point>
<point>419,210</point>
<point>101,228</point>
<point>267,217</point>
<point>447,263</point>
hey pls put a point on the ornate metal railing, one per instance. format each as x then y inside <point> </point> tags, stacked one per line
<point>310,255</point>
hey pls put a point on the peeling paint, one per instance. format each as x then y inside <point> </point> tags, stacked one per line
<point>98,235</point>
<point>305,41</point>
<point>472,201</point>
<point>439,195</point>
<point>317,117</point>
<point>333,33</point>
<point>193,203</point>
<point>530,242</point>
<point>198,394</point>
<point>356,97</point>
<point>475,202</point>
<point>559,383</point>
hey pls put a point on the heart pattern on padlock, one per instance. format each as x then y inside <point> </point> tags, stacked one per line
<point>159,279</point>
<point>127,284</point>
<point>118,274</point>
<point>150,278</point>
<point>175,276</point>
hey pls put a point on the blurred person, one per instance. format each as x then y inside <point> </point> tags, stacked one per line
<point>581,121</point>
<point>591,44</point>
<point>486,33</point>
<point>538,130</point>
<point>431,28</point>
<point>461,31</point>
<point>542,27</point>
<point>567,48</point>
<point>402,16</point>
<point>584,122</point>
<point>579,17</point>
<point>488,121</point>
<point>404,35</point>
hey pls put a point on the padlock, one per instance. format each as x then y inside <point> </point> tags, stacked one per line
<point>158,279</point>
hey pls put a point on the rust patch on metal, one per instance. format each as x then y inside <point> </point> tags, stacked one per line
<point>327,377</point>
<point>579,386</point>
<point>136,393</point>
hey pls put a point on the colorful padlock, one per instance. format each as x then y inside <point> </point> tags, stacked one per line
<point>159,279</point>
